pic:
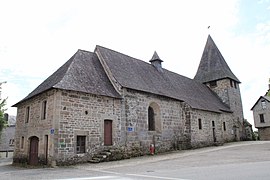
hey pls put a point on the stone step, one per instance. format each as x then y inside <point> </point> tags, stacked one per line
<point>94,160</point>
<point>105,153</point>
<point>100,156</point>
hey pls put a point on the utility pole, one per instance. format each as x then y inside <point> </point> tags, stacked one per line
<point>1,87</point>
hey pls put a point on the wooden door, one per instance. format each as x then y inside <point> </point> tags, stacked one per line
<point>33,152</point>
<point>107,132</point>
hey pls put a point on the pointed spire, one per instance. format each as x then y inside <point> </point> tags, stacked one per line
<point>156,61</point>
<point>155,57</point>
<point>213,66</point>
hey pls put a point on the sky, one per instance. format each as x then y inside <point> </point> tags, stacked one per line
<point>37,37</point>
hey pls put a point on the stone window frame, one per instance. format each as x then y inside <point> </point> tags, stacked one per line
<point>27,114</point>
<point>80,144</point>
<point>44,106</point>
<point>261,116</point>
<point>80,133</point>
<point>157,117</point>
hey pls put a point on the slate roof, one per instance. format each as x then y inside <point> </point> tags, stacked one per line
<point>138,75</point>
<point>82,72</point>
<point>213,66</point>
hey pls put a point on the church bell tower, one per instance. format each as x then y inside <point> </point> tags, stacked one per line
<point>215,73</point>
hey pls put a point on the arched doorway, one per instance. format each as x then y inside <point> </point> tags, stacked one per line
<point>33,151</point>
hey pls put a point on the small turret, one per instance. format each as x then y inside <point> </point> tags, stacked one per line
<point>156,62</point>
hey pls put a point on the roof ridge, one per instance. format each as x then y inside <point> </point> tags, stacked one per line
<point>98,46</point>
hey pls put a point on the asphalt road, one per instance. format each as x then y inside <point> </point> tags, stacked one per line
<point>241,161</point>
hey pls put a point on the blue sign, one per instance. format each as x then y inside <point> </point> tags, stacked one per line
<point>52,131</point>
<point>130,129</point>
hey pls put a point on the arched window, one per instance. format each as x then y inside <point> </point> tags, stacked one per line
<point>154,118</point>
<point>151,119</point>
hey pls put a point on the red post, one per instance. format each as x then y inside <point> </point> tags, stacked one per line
<point>152,149</point>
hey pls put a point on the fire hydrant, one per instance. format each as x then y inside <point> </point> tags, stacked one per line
<point>152,149</point>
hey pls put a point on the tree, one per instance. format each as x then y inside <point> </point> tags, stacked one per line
<point>2,112</point>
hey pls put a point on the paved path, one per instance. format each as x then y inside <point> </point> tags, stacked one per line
<point>241,160</point>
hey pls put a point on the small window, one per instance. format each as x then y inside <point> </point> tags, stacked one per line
<point>235,84</point>
<point>11,142</point>
<point>213,84</point>
<point>27,114</point>
<point>224,126</point>
<point>200,123</point>
<point>263,104</point>
<point>231,82</point>
<point>151,119</point>
<point>262,118</point>
<point>213,123</point>
<point>44,109</point>
<point>81,144</point>
<point>22,142</point>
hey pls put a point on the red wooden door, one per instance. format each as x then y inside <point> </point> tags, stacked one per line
<point>107,132</point>
<point>33,152</point>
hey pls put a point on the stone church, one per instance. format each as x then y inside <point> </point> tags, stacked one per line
<point>106,100</point>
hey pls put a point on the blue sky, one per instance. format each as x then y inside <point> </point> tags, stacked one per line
<point>37,37</point>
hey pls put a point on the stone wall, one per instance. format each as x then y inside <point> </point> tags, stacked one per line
<point>84,114</point>
<point>173,131</point>
<point>264,133</point>
<point>205,136</point>
<point>230,95</point>
<point>36,126</point>
<point>71,114</point>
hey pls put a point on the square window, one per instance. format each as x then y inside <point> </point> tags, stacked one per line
<point>81,141</point>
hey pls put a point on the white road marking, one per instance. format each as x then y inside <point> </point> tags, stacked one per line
<point>90,178</point>
<point>154,177</point>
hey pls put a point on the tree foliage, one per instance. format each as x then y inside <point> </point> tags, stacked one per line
<point>2,112</point>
